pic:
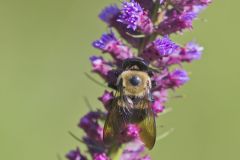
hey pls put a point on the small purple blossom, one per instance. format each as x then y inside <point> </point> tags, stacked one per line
<point>93,146</point>
<point>160,98</point>
<point>165,46</point>
<point>106,99</point>
<point>159,49</point>
<point>100,156</point>
<point>104,42</point>
<point>100,66</point>
<point>89,123</point>
<point>108,13</point>
<point>171,80</point>
<point>177,21</point>
<point>109,43</point>
<point>133,150</point>
<point>75,155</point>
<point>178,77</point>
<point>158,106</point>
<point>192,51</point>
<point>130,132</point>
<point>135,17</point>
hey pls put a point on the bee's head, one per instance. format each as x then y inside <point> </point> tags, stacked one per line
<point>135,64</point>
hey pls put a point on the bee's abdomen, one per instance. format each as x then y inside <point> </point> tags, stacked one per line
<point>133,115</point>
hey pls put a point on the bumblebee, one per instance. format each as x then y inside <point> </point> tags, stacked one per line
<point>131,104</point>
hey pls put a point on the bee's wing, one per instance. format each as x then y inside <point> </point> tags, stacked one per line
<point>148,126</point>
<point>112,124</point>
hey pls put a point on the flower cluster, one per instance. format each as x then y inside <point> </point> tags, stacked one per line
<point>144,27</point>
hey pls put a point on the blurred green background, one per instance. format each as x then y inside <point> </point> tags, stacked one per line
<point>44,48</point>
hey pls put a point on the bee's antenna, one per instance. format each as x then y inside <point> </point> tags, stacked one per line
<point>94,80</point>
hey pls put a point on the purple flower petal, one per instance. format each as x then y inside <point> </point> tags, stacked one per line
<point>129,133</point>
<point>165,46</point>
<point>171,80</point>
<point>176,20</point>
<point>108,13</point>
<point>133,150</point>
<point>178,77</point>
<point>192,51</point>
<point>158,106</point>
<point>159,49</point>
<point>75,155</point>
<point>135,17</point>
<point>89,123</point>
<point>100,156</point>
<point>100,66</point>
<point>106,99</point>
<point>109,43</point>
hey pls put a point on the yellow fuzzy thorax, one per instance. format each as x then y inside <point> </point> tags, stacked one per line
<point>139,90</point>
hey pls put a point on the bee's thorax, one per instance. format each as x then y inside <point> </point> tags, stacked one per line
<point>134,83</point>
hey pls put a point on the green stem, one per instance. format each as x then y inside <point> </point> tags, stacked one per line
<point>148,38</point>
<point>115,152</point>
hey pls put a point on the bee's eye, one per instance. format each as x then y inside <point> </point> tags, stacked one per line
<point>135,80</point>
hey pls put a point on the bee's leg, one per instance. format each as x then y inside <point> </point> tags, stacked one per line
<point>128,104</point>
<point>124,110</point>
<point>128,110</point>
<point>149,96</point>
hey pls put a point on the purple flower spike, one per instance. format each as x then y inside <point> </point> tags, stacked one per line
<point>100,156</point>
<point>109,43</point>
<point>178,77</point>
<point>133,15</point>
<point>75,155</point>
<point>144,28</point>
<point>106,99</point>
<point>192,51</point>
<point>100,66</point>
<point>109,13</point>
